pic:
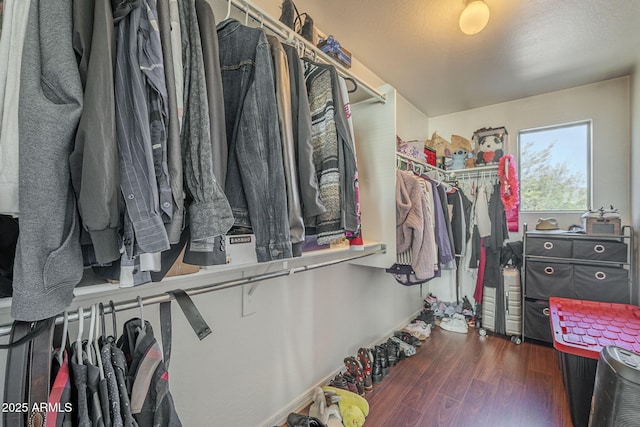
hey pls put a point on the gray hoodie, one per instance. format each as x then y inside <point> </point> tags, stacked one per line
<point>48,261</point>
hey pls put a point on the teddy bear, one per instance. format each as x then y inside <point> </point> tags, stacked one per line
<point>489,149</point>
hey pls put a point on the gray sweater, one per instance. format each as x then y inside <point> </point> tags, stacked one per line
<point>48,261</point>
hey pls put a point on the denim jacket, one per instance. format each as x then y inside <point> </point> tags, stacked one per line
<point>255,184</point>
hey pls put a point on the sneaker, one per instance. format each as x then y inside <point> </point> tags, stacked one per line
<point>408,338</point>
<point>408,349</point>
<point>419,329</point>
<point>456,323</point>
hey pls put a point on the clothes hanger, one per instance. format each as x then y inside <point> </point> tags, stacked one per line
<point>79,337</point>
<point>355,84</point>
<point>92,326</point>
<point>114,337</point>
<point>59,353</point>
<point>103,329</point>
<point>96,345</point>
<point>141,313</point>
<point>261,20</point>
<point>246,15</point>
<point>228,10</point>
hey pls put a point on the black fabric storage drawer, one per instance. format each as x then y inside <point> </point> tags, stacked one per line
<point>601,250</point>
<point>537,325</point>
<point>605,284</point>
<point>545,279</point>
<point>551,247</point>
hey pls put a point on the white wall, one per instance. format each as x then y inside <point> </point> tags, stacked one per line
<point>606,103</point>
<point>635,160</point>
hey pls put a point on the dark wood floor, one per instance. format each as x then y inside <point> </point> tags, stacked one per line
<point>468,380</point>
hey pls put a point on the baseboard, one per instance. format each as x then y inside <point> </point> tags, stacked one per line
<point>304,400</point>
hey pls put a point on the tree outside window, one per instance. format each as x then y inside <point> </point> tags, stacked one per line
<point>555,168</point>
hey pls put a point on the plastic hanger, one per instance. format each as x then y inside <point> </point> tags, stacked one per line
<point>92,328</point>
<point>114,321</point>
<point>79,337</point>
<point>141,312</point>
<point>353,81</point>
<point>59,353</point>
<point>96,345</point>
<point>246,15</point>
<point>228,10</point>
<point>103,329</point>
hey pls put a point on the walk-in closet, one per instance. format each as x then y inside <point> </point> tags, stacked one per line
<point>319,213</point>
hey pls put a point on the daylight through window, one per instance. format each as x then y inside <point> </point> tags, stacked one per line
<point>555,168</point>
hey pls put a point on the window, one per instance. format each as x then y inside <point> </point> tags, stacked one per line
<point>555,168</point>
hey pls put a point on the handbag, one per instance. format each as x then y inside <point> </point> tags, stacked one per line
<point>301,23</point>
<point>28,372</point>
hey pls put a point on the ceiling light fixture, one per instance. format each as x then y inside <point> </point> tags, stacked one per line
<point>474,17</point>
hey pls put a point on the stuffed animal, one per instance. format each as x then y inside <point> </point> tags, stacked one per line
<point>457,157</point>
<point>324,407</point>
<point>353,408</point>
<point>489,149</point>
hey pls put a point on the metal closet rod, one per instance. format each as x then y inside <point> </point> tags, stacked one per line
<point>164,297</point>
<point>288,35</point>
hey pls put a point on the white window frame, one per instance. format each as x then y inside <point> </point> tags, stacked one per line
<point>589,142</point>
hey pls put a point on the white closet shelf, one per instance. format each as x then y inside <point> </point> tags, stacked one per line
<point>450,174</point>
<point>211,279</point>
<point>290,36</point>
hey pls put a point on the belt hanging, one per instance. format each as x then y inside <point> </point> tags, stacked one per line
<point>191,312</point>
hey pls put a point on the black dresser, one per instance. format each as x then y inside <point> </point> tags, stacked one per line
<point>596,267</point>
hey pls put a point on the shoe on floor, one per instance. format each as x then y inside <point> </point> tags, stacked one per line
<point>409,350</point>
<point>456,323</point>
<point>419,329</point>
<point>299,420</point>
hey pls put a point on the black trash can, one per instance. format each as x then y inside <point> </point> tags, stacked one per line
<point>616,391</point>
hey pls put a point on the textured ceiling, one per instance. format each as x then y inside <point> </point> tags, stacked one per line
<point>528,48</point>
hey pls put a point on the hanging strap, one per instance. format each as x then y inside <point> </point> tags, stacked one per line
<point>191,312</point>
<point>15,382</point>
<point>40,375</point>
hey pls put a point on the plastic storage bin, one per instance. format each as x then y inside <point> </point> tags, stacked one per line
<point>581,329</point>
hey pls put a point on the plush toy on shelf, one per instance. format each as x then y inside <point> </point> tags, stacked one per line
<point>490,145</point>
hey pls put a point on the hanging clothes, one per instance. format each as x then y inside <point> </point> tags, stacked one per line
<point>285,121</point>
<point>120,368</point>
<point>79,376</point>
<point>60,395</point>
<point>333,154</point>
<point>209,213</point>
<point>14,26</point>
<point>255,182</point>
<point>411,220</point>
<point>151,402</point>
<point>301,121</point>
<point>211,251</point>
<point>94,159</point>
<point>445,250</point>
<point>112,384</point>
<point>48,261</point>
<point>355,237</point>
<point>174,148</point>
